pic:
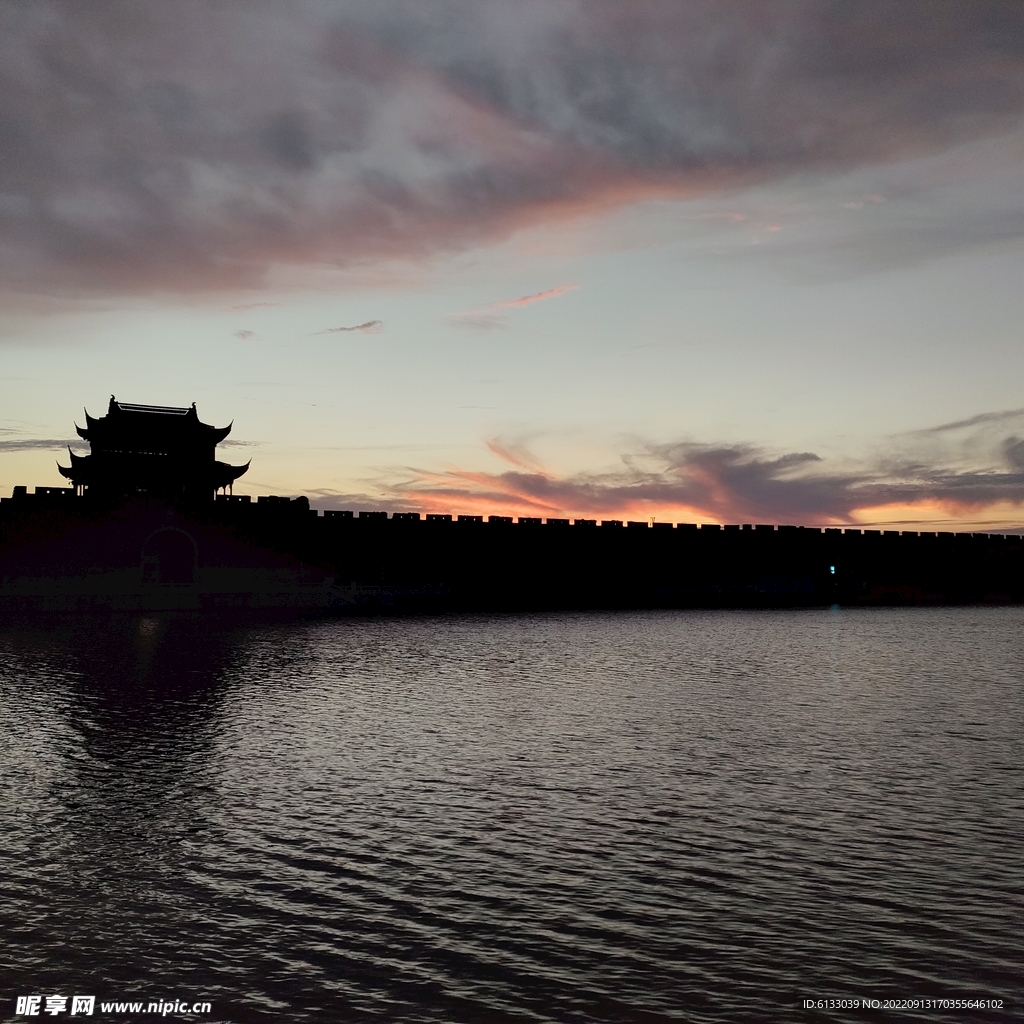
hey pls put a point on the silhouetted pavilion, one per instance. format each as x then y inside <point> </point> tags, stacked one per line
<point>151,449</point>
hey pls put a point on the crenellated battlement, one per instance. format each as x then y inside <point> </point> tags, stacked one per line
<point>474,562</point>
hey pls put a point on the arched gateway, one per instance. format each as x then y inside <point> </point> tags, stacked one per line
<point>169,557</point>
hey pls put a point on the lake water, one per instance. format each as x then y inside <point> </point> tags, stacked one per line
<point>660,816</point>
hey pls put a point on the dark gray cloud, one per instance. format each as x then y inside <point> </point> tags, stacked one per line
<point>1013,452</point>
<point>999,420</point>
<point>232,443</point>
<point>190,145</point>
<point>369,327</point>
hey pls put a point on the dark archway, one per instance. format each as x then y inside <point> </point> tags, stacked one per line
<point>169,558</point>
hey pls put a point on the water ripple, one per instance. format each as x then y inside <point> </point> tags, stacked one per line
<point>624,817</point>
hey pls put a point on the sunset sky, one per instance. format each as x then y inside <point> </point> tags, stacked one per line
<point>735,261</point>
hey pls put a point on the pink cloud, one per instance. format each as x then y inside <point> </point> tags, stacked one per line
<point>488,317</point>
<point>526,300</point>
<point>515,453</point>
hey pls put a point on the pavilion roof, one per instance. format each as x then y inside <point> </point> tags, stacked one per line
<point>150,427</point>
<point>170,410</point>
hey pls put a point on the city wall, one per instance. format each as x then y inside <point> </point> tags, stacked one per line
<point>413,562</point>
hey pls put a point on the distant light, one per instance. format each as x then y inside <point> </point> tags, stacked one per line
<point>832,569</point>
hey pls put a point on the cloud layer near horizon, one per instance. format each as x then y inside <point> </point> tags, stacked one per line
<point>952,470</point>
<point>153,146</point>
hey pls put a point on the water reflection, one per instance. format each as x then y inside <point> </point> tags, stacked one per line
<point>109,802</point>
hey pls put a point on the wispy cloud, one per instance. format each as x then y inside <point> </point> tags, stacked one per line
<point>526,300</point>
<point>478,320</point>
<point>370,327</point>
<point>56,444</point>
<point>983,419</point>
<point>489,316</point>
<point>38,444</point>
<point>514,452</point>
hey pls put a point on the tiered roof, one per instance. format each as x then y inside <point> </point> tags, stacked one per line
<point>153,448</point>
<point>156,428</point>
